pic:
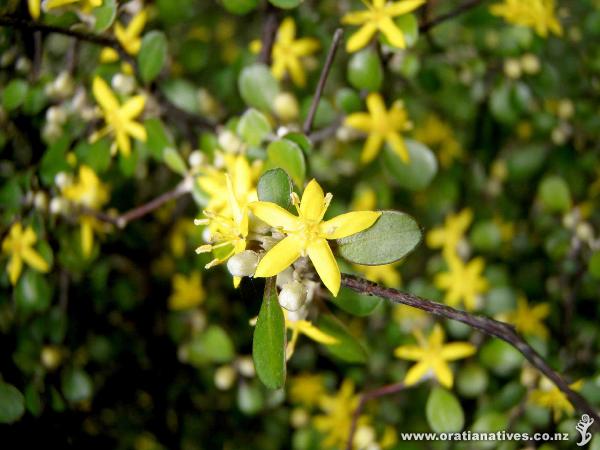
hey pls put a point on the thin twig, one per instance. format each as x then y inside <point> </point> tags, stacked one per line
<point>337,38</point>
<point>469,4</point>
<point>369,395</point>
<point>269,34</point>
<point>486,325</point>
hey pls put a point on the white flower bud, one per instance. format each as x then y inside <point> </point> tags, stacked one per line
<point>196,158</point>
<point>40,200</point>
<point>224,377</point>
<point>62,180</point>
<point>585,232</point>
<point>293,296</point>
<point>570,220</point>
<point>365,435</point>
<point>56,115</point>
<point>286,107</point>
<point>243,264</point>
<point>63,85</point>
<point>56,205</point>
<point>295,316</point>
<point>246,366</point>
<point>566,109</point>
<point>23,65</point>
<point>299,417</point>
<point>530,63</point>
<point>284,277</point>
<point>123,84</point>
<point>230,142</point>
<point>558,135</point>
<point>512,68</point>
<point>51,132</point>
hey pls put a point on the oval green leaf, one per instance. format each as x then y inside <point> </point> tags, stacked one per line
<point>444,412</point>
<point>174,161</point>
<point>12,403</point>
<point>391,238</point>
<point>268,344</point>
<point>347,348</point>
<point>418,172</point>
<point>285,4</point>
<point>105,15</point>
<point>275,186</point>
<point>212,346</point>
<point>152,56</point>
<point>289,156</point>
<point>240,6</point>
<point>253,127</point>
<point>365,70</point>
<point>354,303</point>
<point>258,87</point>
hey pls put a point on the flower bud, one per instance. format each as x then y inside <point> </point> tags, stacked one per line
<point>299,417</point>
<point>565,109</point>
<point>51,132</point>
<point>224,377</point>
<point>286,107</point>
<point>123,84</point>
<point>56,115</point>
<point>293,296</point>
<point>300,314</point>
<point>57,205</point>
<point>285,276</point>
<point>584,231</point>
<point>530,63</point>
<point>62,180</point>
<point>512,68</point>
<point>243,264</point>
<point>23,65</point>
<point>365,435</point>
<point>51,357</point>
<point>246,366</point>
<point>230,142</point>
<point>40,200</point>
<point>196,158</point>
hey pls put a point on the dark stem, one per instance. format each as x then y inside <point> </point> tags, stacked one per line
<point>38,53</point>
<point>469,4</point>
<point>269,34</point>
<point>486,325</point>
<point>337,38</point>
<point>365,397</point>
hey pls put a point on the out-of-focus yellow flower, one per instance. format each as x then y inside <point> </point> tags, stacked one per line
<point>187,291</point>
<point>129,37</point>
<point>178,235</point>
<point>537,14</point>
<point>34,8</point>
<point>528,320</point>
<point>307,389</point>
<point>288,52</point>
<point>381,125</point>
<point>548,396</point>
<point>87,191</point>
<point>379,16</point>
<point>336,419</point>
<point>463,282</point>
<point>306,328</point>
<point>437,134</point>
<point>307,234</point>
<point>365,199</point>
<point>119,118</point>
<point>385,274</point>
<point>433,355</point>
<point>450,234</point>
<point>19,245</point>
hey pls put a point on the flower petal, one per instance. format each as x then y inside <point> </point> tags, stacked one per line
<point>457,350</point>
<point>123,143</point>
<point>416,373</point>
<point>376,107</point>
<point>308,329</point>
<point>361,121</point>
<point>371,148</point>
<point>356,17</point>
<point>313,201</point>
<point>443,373</point>
<point>325,264</point>
<point>280,257</point>
<point>348,224</point>
<point>296,72</point>
<point>136,130</point>
<point>392,32</point>
<point>87,236</point>
<point>398,146</point>
<point>410,352</point>
<point>34,259</point>
<point>14,268</point>
<point>287,31</point>
<point>361,38</point>
<point>274,215</point>
<point>103,95</point>
<point>133,107</point>
<point>403,7</point>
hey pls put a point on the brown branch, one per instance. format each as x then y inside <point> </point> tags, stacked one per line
<point>369,395</point>
<point>467,5</point>
<point>337,38</point>
<point>486,325</point>
<point>269,34</point>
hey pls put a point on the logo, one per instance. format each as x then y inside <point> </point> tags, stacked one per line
<point>582,426</point>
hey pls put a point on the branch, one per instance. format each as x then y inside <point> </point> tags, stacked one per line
<point>337,38</point>
<point>469,4</point>
<point>486,325</point>
<point>269,34</point>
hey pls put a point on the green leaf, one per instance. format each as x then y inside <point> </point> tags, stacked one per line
<point>105,15</point>
<point>594,265</point>
<point>96,155</point>
<point>77,385</point>
<point>348,348</point>
<point>32,293</point>
<point>409,25</point>
<point>554,194</point>
<point>12,403</point>
<point>444,412</point>
<point>286,4</point>
<point>174,161</point>
<point>240,6</point>
<point>418,172</point>
<point>354,303</point>
<point>55,160</point>
<point>365,70</point>
<point>212,346</point>
<point>158,137</point>
<point>275,186</point>
<point>14,94</point>
<point>253,127</point>
<point>35,101</point>
<point>268,344</point>
<point>152,55</point>
<point>289,156</point>
<point>182,93</point>
<point>258,87</point>
<point>500,357</point>
<point>33,400</point>
<point>393,236</point>
<point>301,140</point>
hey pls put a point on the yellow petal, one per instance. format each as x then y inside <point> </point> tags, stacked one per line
<point>410,352</point>
<point>296,72</point>
<point>361,38</point>
<point>325,264</point>
<point>14,268</point>
<point>137,24</point>
<point>348,224</point>
<point>34,8</point>
<point>287,31</point>
<point>123,143</point>
<point>371,148</point>
<point>280,257</point>
<point>312,205</point>
<point>416,373</point>
<point>360,121</point>
<point>103,95</point>
<point>305,46</point>
<point>34,259</point>
<point>133,107</point>
<point>443,373</point>
<point>87,237</point>
<point>274,215</point>
<point>108,55</point>
<point>356,17</point>
<point>436,338</point>
<point>136,130</point>
<point>398,146</point>
<point>376,107</point>
<point>278,68</point>
<point>392,33</point>
<point>308,329</point>
<point>403,7</point>
<point>457,350</point>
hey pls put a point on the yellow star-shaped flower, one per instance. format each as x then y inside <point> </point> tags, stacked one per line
<point>536,14</point>
<point>306,328</point>
<point>187,291</point>
<point>438,134</point>
<point>19,245</point>
<point>381,125</point>
<point>528,320</point>
<point>129,37</point>
<point>462,282</point>
<point>378,17</point>
<point>307,234</point>
<point>119,118</point>
<point>451,233</point>
<point>307,389</point>
<point>433,355</point>
<point>547,395</point>
<point>385,274</point>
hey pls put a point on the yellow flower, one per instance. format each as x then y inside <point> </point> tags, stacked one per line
<point>378,17</point>
<point>287,52</point>
<point>19,245</point>
<point>85,6</point>
<point>385,274</point>
<point>536,14</point>
<point>549,396</point>
<point>34,8</point>
<point>528,320</point>
<point>307,389</point>
<point>462,282</point>
<point>187,291</point>
<point>306,328</point>
<point>119,118</point>
<point>438,134</point>
<point>451,233</point>
<point>433,356</point>
<point>128,37</point>
<point>381,125</point>
<point>178,235</point>
<point>307,234</point>
<point>90,192</point>
<point>337,415</point>
<point>365,198</point>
